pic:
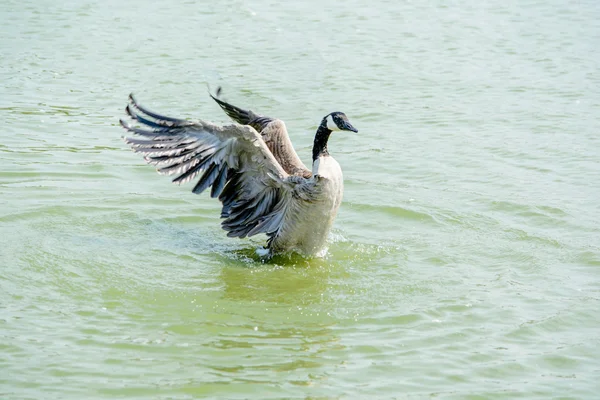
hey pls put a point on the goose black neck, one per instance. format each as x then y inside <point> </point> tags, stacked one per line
<point>321,138</point>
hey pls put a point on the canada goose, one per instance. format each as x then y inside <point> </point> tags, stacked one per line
<point>263,185</point>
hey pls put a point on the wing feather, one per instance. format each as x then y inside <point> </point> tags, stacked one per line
<point>241,116</point>
<point>233,160</point>
<point>274,133</point>
<point>219,182</point>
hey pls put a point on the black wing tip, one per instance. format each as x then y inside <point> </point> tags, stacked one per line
<point>136,111</point>
<point>129,111</point>
<point>237,114</point>
<point>220,102</point>
<point>124,124</point>
<point>217,93</point>
<point>217,97</point>
<point>132,102</point>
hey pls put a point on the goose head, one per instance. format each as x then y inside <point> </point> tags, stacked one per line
<point>337,121</point>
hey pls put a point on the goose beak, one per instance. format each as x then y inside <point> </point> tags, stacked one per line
<point>348,127</point>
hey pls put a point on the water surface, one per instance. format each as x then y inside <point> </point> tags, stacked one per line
<point>465,260</point>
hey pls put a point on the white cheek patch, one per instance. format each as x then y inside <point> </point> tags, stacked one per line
<point>331,125</point>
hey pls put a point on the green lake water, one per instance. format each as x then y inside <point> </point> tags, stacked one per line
<point>464,262</point>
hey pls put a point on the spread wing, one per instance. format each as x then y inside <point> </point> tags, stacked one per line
<point>233,160</point>
<point>273,132</point>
